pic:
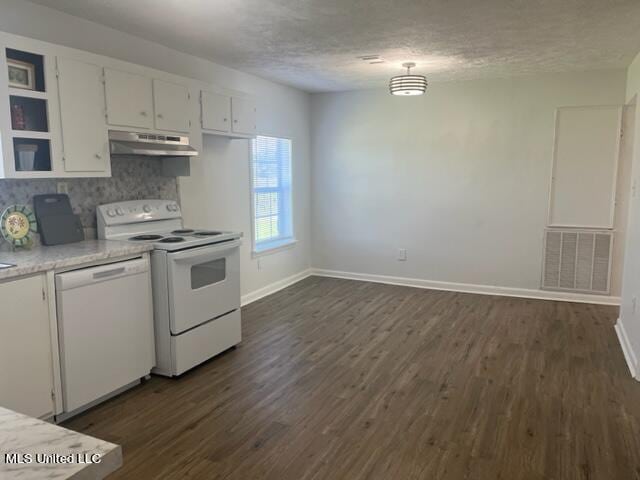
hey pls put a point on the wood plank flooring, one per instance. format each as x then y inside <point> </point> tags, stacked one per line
<point>338,379</point>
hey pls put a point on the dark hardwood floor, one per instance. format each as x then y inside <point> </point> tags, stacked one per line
<point>338,379</point>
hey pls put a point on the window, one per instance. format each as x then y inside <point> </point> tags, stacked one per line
<point>271,193</point>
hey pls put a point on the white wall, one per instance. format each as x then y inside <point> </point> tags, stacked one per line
<point>458,177</point>
<point>629,324</point>
<point>219,185</point>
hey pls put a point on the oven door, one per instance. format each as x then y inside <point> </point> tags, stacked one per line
<point>204,283</point>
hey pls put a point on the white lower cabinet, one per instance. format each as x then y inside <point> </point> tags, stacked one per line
<point>26,365</point>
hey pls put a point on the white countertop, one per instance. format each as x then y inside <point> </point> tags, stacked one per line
<point>76,454</point>
<point>43,258</point>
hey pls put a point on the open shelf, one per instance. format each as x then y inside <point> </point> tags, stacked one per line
<point>32,154</point>
<point>25,70</point>
<point>28,114</point>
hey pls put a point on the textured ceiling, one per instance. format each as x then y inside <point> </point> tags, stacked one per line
<point>313,44</point>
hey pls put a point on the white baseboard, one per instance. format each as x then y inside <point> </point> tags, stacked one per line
<point>274,287</point>
<point>471,288</point>
<point>431,285</point>
<point>627,349</point>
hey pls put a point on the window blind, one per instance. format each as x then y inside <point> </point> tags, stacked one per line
<point>271,172</point>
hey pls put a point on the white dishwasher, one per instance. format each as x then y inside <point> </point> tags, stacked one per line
<point>105,329</point>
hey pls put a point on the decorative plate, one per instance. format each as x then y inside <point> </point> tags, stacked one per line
<point>17,223</point>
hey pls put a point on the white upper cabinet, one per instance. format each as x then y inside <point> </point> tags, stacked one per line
<point>55,117</point>
<point>171,102</point>
<point>215,111</point>
<point>82,113</point>
<point>26,365</point>
<point>227,115</point>
<point>243,114</point>
<point>129,99</point>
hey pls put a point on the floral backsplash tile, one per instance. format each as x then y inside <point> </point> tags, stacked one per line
<point>132,178</point>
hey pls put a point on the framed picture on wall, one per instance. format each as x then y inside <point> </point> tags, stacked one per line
<point>21,74</point>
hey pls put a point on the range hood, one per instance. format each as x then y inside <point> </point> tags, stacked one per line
<point>149,144</point>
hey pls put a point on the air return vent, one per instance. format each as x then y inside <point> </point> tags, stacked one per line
<point>577,260</point>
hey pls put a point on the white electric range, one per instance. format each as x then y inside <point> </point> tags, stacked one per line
<point>195,278</point>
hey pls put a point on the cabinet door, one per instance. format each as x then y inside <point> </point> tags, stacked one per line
<point>216,111</point>
<point>129,99</point>
<point>84,129</point>
<point>171,103</point>
<point>243,112</point>
<point>26,369</point>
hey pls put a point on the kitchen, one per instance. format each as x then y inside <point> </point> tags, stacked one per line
<point>71,114</point>
<point>266,239</point>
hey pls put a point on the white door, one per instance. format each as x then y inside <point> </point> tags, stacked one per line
<point>244,115</point>
<point>171,103</point>
<point>216,111</point>
<point>129,99</point>
<point>204,283</point>
<point>82,112</point>
<point>26,367</point>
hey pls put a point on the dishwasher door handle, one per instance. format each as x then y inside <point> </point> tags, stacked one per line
<point>108,273</point>
<point>101,273</point>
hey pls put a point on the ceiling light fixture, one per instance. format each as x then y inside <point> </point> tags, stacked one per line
<point>408,84</point>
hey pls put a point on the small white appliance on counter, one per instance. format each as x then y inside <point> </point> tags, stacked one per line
<point>105,329</point>
<point>195,277</point>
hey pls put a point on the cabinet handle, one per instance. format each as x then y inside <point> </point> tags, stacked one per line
<point>224,119</point>
<point>235,121</point>
<point>143,113</point>
<point>98,156</point>
<point>160,115</point>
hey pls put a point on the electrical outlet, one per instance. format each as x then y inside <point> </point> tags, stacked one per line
<point>62,187</point>
<point>402,254</point>
<point>634,305</point>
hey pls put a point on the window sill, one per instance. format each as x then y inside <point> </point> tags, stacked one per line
<point>275,247</point>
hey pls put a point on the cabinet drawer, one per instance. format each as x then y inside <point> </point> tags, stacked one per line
<point>201,343</point>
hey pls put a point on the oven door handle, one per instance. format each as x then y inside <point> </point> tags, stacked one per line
<point>204,252</point>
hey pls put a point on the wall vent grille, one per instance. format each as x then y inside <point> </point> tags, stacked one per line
<point>577,260</point>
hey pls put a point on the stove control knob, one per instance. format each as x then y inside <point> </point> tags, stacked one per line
<point>146,208</point>
<point>119,211</point>
<point>111,213</point>
<point>169,207</point>
<point>174,207</point>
